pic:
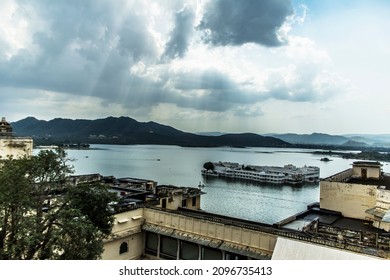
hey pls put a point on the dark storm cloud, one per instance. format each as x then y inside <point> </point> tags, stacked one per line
<point>75,48</point>
<point>209,90</point>
<point>181,34</point>
<point>135,41</point>
<point>86,21</point>
<point>232,22</point>
<point>205,90</point>
<point>101,49</point>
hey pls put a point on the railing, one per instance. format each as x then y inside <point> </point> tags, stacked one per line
<point>327,236</point>
<point>340,177</point>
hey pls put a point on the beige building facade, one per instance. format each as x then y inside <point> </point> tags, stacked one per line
<point>170,225</point>
<point>154,233</point>
<point>361,192</point>
<point>11,145</point>
<point>127,240</point>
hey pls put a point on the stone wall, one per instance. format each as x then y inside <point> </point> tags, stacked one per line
<point>16,147</point>
<point>352,200</point>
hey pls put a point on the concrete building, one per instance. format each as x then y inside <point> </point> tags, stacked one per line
<point>361,192</point>
<point>11,145</point>
<point>166,222</point>
<point>136,199</point>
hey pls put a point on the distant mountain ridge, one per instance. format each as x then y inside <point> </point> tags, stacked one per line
<point>125,130</point>
<point>353,140</point>
<point>379,140</point>
<point>312,139</point>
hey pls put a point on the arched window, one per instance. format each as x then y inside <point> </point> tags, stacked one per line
<point>124,248</point>
<point>364,173</point>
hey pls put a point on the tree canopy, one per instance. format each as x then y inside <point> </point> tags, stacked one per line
<point>43,215</point>
<point>208,165</point>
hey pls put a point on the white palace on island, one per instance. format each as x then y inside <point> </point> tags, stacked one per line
<point>288,174</point>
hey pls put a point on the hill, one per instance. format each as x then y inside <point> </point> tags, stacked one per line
<point>125,130</point>
<point>312,139</point>
<point>374,140</point>
<point>348,140</point>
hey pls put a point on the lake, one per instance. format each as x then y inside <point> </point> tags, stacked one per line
<point>180,166</point>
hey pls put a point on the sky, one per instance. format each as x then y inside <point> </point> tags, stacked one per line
<point>270,66</point>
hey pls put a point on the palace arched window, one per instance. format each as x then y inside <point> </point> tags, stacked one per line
<point>123,248</point>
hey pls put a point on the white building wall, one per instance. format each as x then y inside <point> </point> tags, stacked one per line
<point>372,172</point>
<point>16,147</point>
<point>126,228</point>
<point>251,239</point>
<point>287,249</point>
<point>382,204</point>
<point>383,198</point>
<point>135,245</point>
<point>352,200</point>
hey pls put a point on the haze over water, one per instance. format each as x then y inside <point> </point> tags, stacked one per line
<point>172,165</point>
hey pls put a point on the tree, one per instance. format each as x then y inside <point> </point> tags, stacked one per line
<point>209,166</point>
<point>43,215</point>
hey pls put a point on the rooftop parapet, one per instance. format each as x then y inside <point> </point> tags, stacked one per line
<point>376,164</point>
<point>340,177</point>
<point>358,174</point>
<point>166,191</point>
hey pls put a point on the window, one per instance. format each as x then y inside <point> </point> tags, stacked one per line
<point>364,173</point>
<point>184,203</point>
<point>168,248</point>
<point>124,248</point>
<point>151,243</point>
<point>189,251</point>
<point>211,254</point>
<point>164,203</point>
<point>194,201</point>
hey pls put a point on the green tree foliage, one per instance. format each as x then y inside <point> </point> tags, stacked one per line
<point>43,215</point>
<point>208,165</point>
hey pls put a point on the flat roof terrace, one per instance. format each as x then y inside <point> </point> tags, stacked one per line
<point>382,181</point>
<point>326,218</point>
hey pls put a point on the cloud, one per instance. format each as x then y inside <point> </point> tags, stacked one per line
<point>46,105</point>
<point>205,89</point>
<point>135,41</point>
<point>248,111</point>
<point>143,57</point>
<point>231,22</point>
<point>83,44</point>
<point>304,83</point>
<point>181,34</point>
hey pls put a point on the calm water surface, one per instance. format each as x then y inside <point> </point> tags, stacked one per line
<point>182,167</point>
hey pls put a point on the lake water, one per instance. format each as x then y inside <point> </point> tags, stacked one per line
<point>172,165</point>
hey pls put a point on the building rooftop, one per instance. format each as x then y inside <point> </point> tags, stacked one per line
<point>348,175</point>
<point>326,220</point>
<point>133,192</point>
<point>382,181</point>
<point>166,190</point>
<point>367,163</point>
